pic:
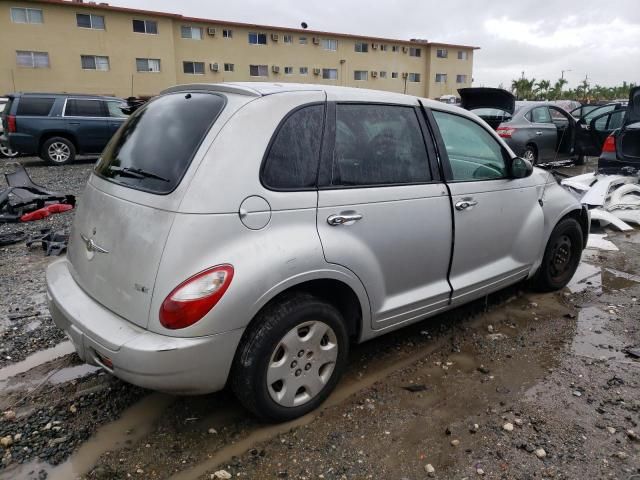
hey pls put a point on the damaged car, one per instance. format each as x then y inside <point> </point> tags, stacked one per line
<point>541,132</point>
<point>277,224</point>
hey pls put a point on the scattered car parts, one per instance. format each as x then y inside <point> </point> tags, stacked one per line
<point>53,243</point>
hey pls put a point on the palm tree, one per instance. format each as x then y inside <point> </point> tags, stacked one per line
<point>542,89</point>
<point>523,88</point>
<point>556,92</point>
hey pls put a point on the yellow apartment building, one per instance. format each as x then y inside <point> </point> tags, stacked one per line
<point>97,48</point>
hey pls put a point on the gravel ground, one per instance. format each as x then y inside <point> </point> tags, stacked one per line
<point>522,386</point>
<point>25,325</point>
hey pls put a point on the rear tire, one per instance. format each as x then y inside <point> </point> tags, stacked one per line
<point>531,154</point>
<point>291,359</point>
<point>5,151</point>
<point>58,151</point>
<point>561,256</point>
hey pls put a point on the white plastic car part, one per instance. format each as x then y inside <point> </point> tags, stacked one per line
<point>607,218</point>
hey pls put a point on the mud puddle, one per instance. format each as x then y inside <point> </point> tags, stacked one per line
<point>35,360</point>
<point>600,279</point>
<point>595,337</point>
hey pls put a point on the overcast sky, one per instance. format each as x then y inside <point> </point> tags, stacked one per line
<point>597,38</point>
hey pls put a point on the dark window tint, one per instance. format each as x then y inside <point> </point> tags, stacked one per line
<point>34,106</point>
<point>84,108</point>
<point>83,20</point>
<point>474,154</point>
<point>292,161</point>
<point>138,26</point>
<point>181,120</point>
<point>378,145</point>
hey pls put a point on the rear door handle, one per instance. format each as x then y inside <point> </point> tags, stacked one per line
<point>343,219</point>
<point>464,204</point>
<point>538,132</point>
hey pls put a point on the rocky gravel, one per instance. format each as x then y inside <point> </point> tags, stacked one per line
<point>25,324</point>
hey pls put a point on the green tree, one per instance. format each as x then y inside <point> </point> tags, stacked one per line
<point>542,89</point>
<point>523,88</point>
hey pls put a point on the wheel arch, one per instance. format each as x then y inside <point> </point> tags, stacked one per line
<point>57,133</point>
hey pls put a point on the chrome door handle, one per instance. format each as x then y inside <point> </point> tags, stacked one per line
<point>538,132</point>
<point>464,204</point>
<point>343,219</point>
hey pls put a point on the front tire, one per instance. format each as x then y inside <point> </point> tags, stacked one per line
<point>561,256</point>
<point>58,151</point>
<point>291,359</point>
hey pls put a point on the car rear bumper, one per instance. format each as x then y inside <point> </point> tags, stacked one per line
<point>149,360</point>
<point>22,142</point>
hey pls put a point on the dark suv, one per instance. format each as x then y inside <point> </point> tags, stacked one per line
<point>58,126</point>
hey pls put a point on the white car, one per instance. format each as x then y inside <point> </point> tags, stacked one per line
<point>5,151</point>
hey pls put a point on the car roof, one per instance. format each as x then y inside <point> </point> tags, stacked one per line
<point>261,89</point>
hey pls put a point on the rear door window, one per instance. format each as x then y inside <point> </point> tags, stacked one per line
<point>34,106</point>
<point>540,115</point>
<point>378,145</point>
<point>84,108</point>
<point>292,161</point>
<point>155,146</point>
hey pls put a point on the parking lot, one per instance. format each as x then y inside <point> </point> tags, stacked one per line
<point>522,385</point>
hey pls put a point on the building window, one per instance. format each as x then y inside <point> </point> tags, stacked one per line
<point>226,33</point>
<point>395,48</point>
<point>330,73</point>
<point>383,47</point>
<point>462,55</point>
<point>441,78</point>
<point>94,62</point>
<point>257,38</point>
<point>229,67</point>
<point>360,75</point>
<point>394,74</point>
<point>383,74</point>
<point>148,65</point>
<point>304,70</point>
<point>26,15</point>
<point>145,26</point>
<point>362,47</point>
<point>30,59</point>
<point>288,70</point>
<point>414,77</point>
<point>303,40</point>
<point>415,52</point>
<point>193,68</point>
<point>96,22</point>
<point>461,79</point>
<point>258,70</point>
<point>194,33</point>
<point>442,53</point>
<point>287,38</point>
<point>329,44</point>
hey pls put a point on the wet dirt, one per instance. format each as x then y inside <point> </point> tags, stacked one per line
<point>440,392</point>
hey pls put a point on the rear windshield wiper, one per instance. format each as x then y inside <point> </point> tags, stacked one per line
<point>135,173</point>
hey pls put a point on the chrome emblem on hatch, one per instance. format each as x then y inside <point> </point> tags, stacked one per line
<point>92,246</point>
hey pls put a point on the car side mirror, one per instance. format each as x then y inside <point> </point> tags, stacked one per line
<point>520,168</point>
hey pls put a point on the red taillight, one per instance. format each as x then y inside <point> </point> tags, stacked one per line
<point>11,123</point>
<point>193,298</point>
<point>505,132</point>
<point>609,145</point>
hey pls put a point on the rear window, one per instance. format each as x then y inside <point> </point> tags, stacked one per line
<point>84,108</point>
<point>155,146</point>
<point>34,106</point>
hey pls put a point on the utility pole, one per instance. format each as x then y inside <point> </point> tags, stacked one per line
<point>562,73</point>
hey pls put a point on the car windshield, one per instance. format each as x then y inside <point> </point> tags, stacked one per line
<point>155,146</point>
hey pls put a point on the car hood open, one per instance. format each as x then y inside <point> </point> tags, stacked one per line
<point>633,108</point>
<point>480,97</point>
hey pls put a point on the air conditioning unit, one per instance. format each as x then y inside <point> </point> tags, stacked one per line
<point>316,71</point>
<point>405,49</point>
<point>374,46</point>
<point>274,37</point>
<point>316,41</point>
<point>405,74</point>
<point>275,69</point>
<point>211,31</point>
<point>374,74</point>
<point>214,67</point>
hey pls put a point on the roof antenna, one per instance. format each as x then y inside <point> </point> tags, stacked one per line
<point>304,25</point>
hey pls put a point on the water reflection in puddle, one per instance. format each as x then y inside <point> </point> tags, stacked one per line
<point>36,359</point>
<point>594,338</point>
<point>600,279</point>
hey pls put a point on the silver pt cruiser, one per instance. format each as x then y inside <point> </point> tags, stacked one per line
<point>247,233</point>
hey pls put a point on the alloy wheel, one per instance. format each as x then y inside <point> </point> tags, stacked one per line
<point>529,155</point>
<point>302,363</point>
<point>6,151</point>
<point>59,152</point>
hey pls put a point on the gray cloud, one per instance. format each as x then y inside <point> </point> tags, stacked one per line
<point>589,37</point>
